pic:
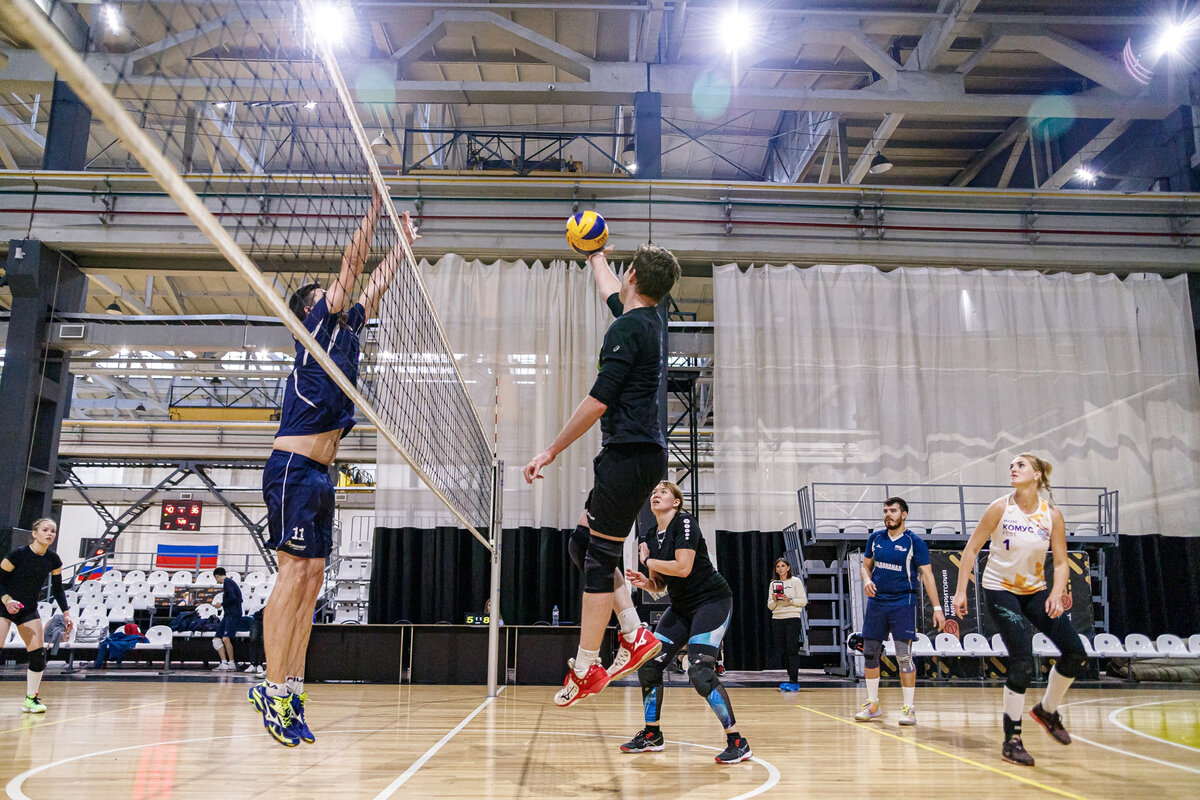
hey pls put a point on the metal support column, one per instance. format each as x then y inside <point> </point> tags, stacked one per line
<point>647,134</point>
<point>497,533</point>
<point>35,387</point>
<point>68,131</point>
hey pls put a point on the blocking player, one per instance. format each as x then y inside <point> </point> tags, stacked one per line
<point>896,559</point>
<point>23,573</point>
<point>1022,526</point>
<point>297,488</point>
<point>701,607</point>
<point>632,459</point>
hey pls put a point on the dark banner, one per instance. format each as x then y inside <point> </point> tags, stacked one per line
<point>1078,601</point>
<point>945,579</point>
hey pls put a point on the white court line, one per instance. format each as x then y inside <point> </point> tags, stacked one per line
<point>1077,738</point>
<point>420,762</point>
<point>1113,719</point>
<point>772,772</point>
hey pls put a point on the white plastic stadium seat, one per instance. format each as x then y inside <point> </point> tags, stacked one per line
<point>1139,645</point>
<point>919,530</point>
<point>1108,646</point>
<point>136,587</point>
<point>827,529</point>
<point>358,548</point>
<point>947,644</point>
<point>159,576</point>
<point>45,611</point>
<point>159,636</point>
<point>72,597</point>
<point>976,644</point>
<point>181,578</point>
<point>237,578</point>
<point>1043,647</point>
<point>1168,645</point>
<point>206,578</point>
<point>122,612</point>
<point>135,575</point>
<point>922,646</point>
<point>998,647</point>
<point>1086,529</point>
<point>90,589</point>
<point>943,529</point>
<point>856,528</point>
<point>1087,646</point>
<point>255,577</point>
<point>110,576</point>
<point>142,602</point>
<point>206,610</point>
<point>1194,644</point>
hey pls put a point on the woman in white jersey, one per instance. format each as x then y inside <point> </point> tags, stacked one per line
<point>1022,526</point>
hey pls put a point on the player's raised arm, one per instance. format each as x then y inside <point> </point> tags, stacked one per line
<point>381,278</point>
<point>355,257</point>
<point>607,282</point>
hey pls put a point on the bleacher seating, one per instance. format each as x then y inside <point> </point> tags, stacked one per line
<point>181,578</point>
<point>1172,647</point>
<point>134,576</point>
<point>1043,647</point>
<point>998,648</point>
<point>1108,646</point>
<point>1138,645</point>
<point>976,644</point>
<point>1193,644</point>
<point>158,576</point>
<point>943,529</point>
<point>856,528</point>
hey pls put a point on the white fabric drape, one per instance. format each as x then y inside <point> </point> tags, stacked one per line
<point>847,373</point>
<point>538,330</point>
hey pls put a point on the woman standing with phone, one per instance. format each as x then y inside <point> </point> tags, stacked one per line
<point>786,599</point>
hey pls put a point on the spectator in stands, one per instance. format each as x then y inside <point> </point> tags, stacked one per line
<point>786,599</point>
<point>1021,527</point>
<point>231,601</point>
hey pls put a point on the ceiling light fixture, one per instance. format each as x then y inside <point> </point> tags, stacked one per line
<point>112,15</point>
<point>328,22</point>
<point>113,308</point>
<point>1170,40</point>
<point>1086,174</point>
<point>880,164</point>
<point>381,146</point>
<point>736,30</point>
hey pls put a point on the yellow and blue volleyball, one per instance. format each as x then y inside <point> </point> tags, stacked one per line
<point>587,232</point>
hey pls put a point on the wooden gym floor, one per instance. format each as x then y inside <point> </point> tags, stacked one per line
<point>180,740</point>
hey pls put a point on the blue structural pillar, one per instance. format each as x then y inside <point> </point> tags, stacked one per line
<point>67,134</point>
<point>35,387</point>
<point>647,134</point>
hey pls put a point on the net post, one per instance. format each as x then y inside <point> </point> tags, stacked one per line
<point>496,534</point>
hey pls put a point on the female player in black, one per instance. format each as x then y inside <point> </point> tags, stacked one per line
<point>23,573</point>
<point>701,606</point>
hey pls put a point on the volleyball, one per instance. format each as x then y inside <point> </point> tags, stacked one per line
<point>587,232</point>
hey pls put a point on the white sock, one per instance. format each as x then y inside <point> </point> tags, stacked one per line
<point>629,621</point>
<point>873,689</point>
<point>275,689</point>
<point>32,681</point>
<point>584,660</point>
<point>908,692</point>
<point>1014,704</point>
<point>295,685</point>
<point>1056,689</point>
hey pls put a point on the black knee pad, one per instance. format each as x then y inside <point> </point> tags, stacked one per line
<point>872,649</point>
<point>702,672</point>
<point>651,673</point>
<point>1020,675</point>
<point>1071,663</point>
<point>37,660</point>
<point>577,545</point>
<point>603,557</point>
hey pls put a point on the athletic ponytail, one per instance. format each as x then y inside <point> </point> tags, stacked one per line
<point>1044,467</point>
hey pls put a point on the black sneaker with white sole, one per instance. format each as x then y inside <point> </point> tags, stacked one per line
<point>737,750</point>
<point>647,740</point>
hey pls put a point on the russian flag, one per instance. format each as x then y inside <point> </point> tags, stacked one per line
<point>183,556</point>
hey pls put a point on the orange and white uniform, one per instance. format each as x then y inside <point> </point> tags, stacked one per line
<point>1017,561</point>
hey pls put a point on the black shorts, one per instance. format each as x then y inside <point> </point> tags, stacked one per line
<point>700,631</point>
<point>624,475</point>
<point>26,614</point>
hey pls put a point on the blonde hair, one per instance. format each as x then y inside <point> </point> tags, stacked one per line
<point>40,522</point>
<point>674,489</point>
<point>1043,466</point>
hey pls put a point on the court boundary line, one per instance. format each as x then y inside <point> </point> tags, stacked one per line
<point>940,752</point>
<point>46,724</point>
<point>400,780</point>
<point>1114,748</point>
<point>1112,717</point>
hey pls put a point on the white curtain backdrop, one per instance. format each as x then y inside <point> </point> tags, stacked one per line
<point>847,373</point>
<point>538,330</point>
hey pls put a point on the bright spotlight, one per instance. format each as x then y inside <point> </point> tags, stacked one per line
<point>1171,40</point>
<point>736,29</point>
<point>310,105</point>
<point>1085,174</point>
<point>328,22</point>
<point>112,15</point>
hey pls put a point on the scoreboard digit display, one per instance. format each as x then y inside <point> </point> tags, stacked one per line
<point>183,515</point>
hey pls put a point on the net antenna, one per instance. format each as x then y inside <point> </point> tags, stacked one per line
<point>183,92</point>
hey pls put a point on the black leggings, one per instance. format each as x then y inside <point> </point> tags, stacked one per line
<point>787,641</point>
<point>1010,611</point>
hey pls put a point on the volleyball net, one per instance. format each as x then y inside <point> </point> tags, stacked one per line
<point>240,111</point>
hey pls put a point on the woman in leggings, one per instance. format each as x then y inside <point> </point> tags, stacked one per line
<point>1022,525</point>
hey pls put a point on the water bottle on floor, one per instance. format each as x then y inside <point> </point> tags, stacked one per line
<point>554,617</point>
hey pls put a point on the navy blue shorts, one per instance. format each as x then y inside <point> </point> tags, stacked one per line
<point>880,619</point>
<point>231,623</point>
<point>299,496</point>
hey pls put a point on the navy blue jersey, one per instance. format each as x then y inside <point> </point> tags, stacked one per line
<point>896,562</point>
<point>312,402</point>
<point>231,596</point>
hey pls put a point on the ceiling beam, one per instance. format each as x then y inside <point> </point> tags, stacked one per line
<point>1071,54</point>
<point>647,49</point>
<point>23,128</point>
<point>6,156</point>
<point>222,126</point>
<point>529,41</point>
<point>425,40</point>
<point>878,139</point>
<point>1014,157</point>
<point>1098,144</point>
<point>178,47</point>
<point>1019,126</point>
<point>123,297</point>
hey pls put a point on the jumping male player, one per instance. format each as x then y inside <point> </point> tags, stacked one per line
<point>632,460</point>
<point>894,557</point>
<point>23,573</point>
<point>296,485</point>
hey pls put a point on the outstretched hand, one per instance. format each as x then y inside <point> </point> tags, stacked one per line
<point>411,231</point>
